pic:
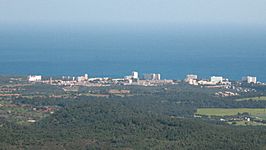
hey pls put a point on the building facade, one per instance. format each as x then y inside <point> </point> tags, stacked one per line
<point>152,76</point>
<point>216,79</point>
<point>249,79</point>
<point>34,78</point>
<point>191,77</point>
<point>135,75</point>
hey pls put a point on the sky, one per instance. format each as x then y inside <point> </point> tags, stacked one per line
<point>173,31</point>
<point>117,12</point>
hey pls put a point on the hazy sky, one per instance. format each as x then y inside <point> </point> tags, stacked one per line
<point>243,12</point>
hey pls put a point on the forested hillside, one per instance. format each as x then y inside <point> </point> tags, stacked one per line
<point>127,123</point>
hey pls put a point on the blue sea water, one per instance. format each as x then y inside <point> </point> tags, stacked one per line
<point>115,52</point>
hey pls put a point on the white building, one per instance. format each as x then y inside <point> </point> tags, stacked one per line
<point>135,75</point>
<point>34,78</point>
<point>83,78</point>
<point>250,79</point>
<point>86,77</point>
<point>192,82</point>
<point>216,79</point>
<point>147,76</point>
<point>205,82</point>
<point>157,76</point>
<point>129,81</point>
<point>152,76</point>
<point>127,77</point>
<point>191,77</point>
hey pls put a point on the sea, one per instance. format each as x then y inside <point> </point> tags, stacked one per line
<point>232,52</point>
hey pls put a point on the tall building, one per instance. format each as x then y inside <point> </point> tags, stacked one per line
<point>86,77</point>
<point>135,75</point>
<point>152,76</point>
<point>34,78</point>
<point>157,76</point>
<point>190,77</point>
<point>249,79</point>
<point>216,79</point>
<point>83,78</point>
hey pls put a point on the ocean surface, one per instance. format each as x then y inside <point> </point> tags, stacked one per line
<point>115,52</point>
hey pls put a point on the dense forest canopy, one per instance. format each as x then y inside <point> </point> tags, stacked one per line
<point>147,118</point>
